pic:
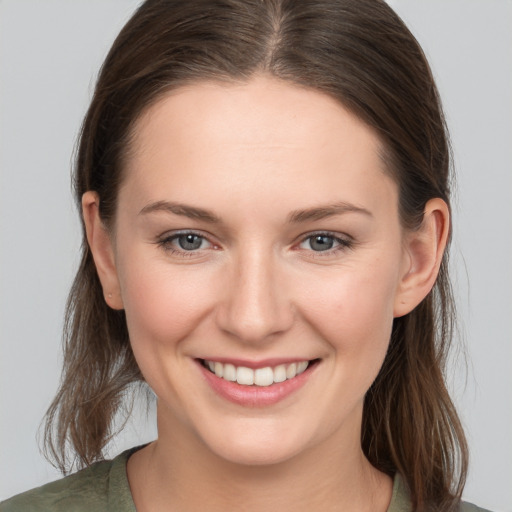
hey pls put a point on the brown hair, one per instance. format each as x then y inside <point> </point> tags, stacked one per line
<point>357,51</point>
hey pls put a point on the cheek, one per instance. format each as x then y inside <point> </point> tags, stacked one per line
<point>162,303</point>
<point>353,309</point>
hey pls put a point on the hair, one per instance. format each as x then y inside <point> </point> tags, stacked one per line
<point>357,51</point>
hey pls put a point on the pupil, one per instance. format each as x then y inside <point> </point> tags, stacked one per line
<point>190,242</point>
<point>322,243</point>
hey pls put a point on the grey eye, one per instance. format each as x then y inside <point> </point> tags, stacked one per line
<point>190,242</point>
<point>321,242</point>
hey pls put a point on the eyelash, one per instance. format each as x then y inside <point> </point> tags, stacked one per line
<point>166,244</point>
<point>342,243</point>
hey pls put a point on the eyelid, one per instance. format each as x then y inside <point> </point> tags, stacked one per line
<point>344,242</point>
<point>173,233</point>
<point>166,239</point>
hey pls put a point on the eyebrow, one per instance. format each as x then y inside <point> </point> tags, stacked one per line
<point>322,212</point>
<point>295,217</point>
<point>191,212</point>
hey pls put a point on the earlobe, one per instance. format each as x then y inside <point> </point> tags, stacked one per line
<point>100,244</point>
<point>424,249</point>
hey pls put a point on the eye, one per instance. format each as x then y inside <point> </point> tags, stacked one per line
<point>324,242</point>
<point>321,242</point>
<point>183,244</point>
<point>190,241</point>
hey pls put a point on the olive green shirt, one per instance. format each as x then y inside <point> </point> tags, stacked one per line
<point>103,487</point>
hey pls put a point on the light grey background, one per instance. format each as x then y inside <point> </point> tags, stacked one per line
<point>50,52</point>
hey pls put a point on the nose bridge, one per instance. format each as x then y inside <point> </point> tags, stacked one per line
<point>257,305</point>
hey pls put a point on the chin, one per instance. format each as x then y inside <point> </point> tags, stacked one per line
<point>255,455</point>
<point>257,446</point>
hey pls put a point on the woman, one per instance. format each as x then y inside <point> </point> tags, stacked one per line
<point>265,198</point>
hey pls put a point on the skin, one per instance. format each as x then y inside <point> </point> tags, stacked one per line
<point>254,155</point>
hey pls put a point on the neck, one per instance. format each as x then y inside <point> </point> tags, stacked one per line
<point>179,472</point>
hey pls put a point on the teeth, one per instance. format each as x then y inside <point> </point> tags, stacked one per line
<point>229,372</point>
<point>301,367</point>
<point>264,376</point>
<point>260,377</point>
<point>291,371</point>
<point>280,373</point>
<point>245,376</point>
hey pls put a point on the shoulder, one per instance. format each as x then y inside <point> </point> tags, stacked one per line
<point>89,489</point>
<point>469,507</point>
<point>89,486</point>
<point>401,502</point>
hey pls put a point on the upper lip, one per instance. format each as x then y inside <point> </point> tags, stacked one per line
<point>262,363</point>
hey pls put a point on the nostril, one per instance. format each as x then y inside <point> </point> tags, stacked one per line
<point>255,323</point>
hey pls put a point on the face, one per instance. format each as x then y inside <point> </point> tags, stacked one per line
<point>257,238</point>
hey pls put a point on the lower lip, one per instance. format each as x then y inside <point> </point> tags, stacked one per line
<point>256,396</point>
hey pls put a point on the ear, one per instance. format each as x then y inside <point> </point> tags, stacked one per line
<point>100,244</point>
<point>423,253</point>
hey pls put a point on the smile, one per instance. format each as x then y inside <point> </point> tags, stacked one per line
<point>262,377</point>
<point>257,384</point>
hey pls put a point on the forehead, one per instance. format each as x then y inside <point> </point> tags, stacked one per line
<point>254,139</point>
<point>211,111</point>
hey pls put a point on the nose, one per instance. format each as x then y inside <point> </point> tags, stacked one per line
<point>256,305</point>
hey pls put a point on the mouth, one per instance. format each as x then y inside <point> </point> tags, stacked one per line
<point>258,377</point>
